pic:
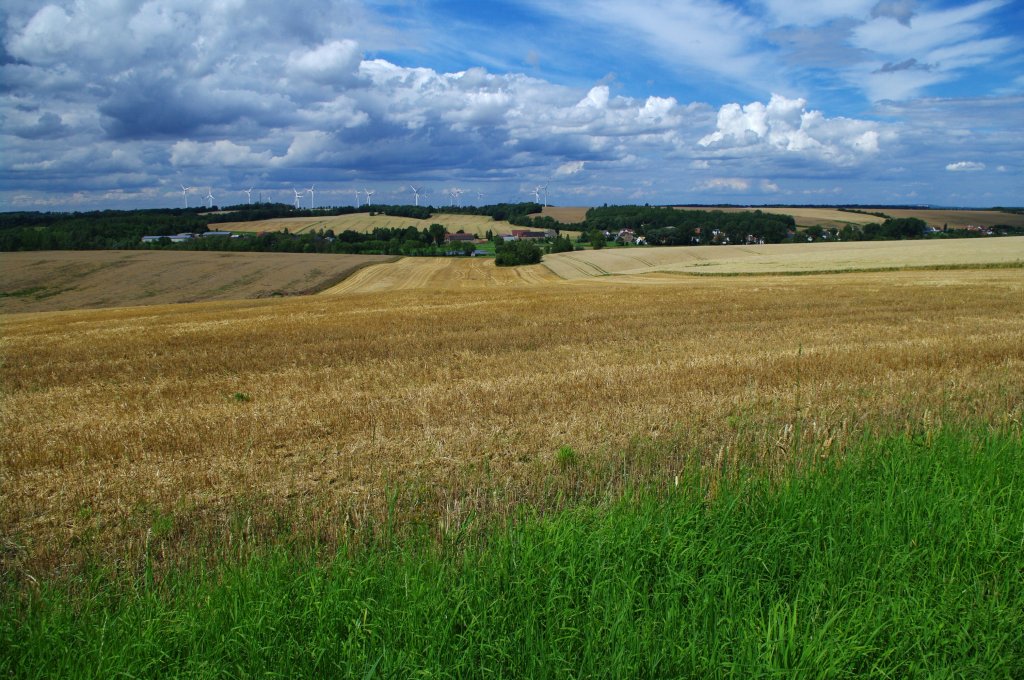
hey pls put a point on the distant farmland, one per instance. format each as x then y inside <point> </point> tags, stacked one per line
<point>365,222</point>
<point>808,217</point>
<point>565,215</point>
<point>833,217</point>
<point>67,279</point>
<point>790,258</point>
<point>957,219</point>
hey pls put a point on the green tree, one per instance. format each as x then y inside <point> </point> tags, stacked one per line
<point>437,232</point>
<point>516,253</point>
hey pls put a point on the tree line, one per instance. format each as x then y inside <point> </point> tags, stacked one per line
<point>118,229</point>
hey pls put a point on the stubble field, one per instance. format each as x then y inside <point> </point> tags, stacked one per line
<point>832,217</point>
<point>75,279</point>
<point>165,434</point>
<point>787,258</point>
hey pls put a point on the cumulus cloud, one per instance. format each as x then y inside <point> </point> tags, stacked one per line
<point>965,166</point>
<point>784,126</point>
<point>734,184</point>
<point>335,62</point>
<point>569,169</point>
<point>115,98</point>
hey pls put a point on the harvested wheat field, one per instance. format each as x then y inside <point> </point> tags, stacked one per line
<point>56,280</point>
<point>365,222</point>
<point>440,274</point>
<point>958,219</point>
<point>567,215</point>
<point>833,217</point>
<point>179,431</point>
<point>807,217</point>
<point>788,258</point>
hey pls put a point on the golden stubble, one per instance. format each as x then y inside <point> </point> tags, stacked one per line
<point>319,414</point>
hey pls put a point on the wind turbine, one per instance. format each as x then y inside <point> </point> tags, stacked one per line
<point>369,193</point>
<point>480,196</point>
<point>248,195</point>
<point>312,196</point>
<point>184,192</point>
<point>357,198</point>
<point>298,194</point>
<point>209,197</point>
<point>417,193</point>
<point>545,188</point>
<point>536,193</point>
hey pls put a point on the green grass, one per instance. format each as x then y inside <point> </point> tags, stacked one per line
<point>906,560</point>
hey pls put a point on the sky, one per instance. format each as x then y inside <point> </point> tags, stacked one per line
<point>118,104</point>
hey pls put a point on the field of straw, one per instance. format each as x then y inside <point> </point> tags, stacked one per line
<point>787,257</point>
<point>831,217</point>
<point>364,223</point>
<point>808,217</point>
<point>440,274</point>
<point>74,279</point>
<point>145,435</point>
<point>957,219</point>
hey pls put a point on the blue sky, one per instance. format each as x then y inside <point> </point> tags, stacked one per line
<point>117,103</point>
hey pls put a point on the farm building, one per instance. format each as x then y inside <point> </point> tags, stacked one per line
<point>460,238</point>
<point>520,234</point>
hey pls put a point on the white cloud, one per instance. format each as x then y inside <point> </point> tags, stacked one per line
<point>785,126</point>
<point>222,152</point>
<point>231,91</point>
<point>713,36</point>
<point>334,62</point>
<point>735,184</point>
<point>932,48</point>
<point>965,166</point>
<point>571,168</point>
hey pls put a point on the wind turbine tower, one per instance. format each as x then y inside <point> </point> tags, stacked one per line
<point>184,192</point>
<point>545,188</point>
<point>416,192</point>
<point>298,195</point>
<point>369,193</point>
<point>248,195</point>
<point>209,197</point>
<point>312,196</point>
<point>357,198</point>
<point>536,193</point>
